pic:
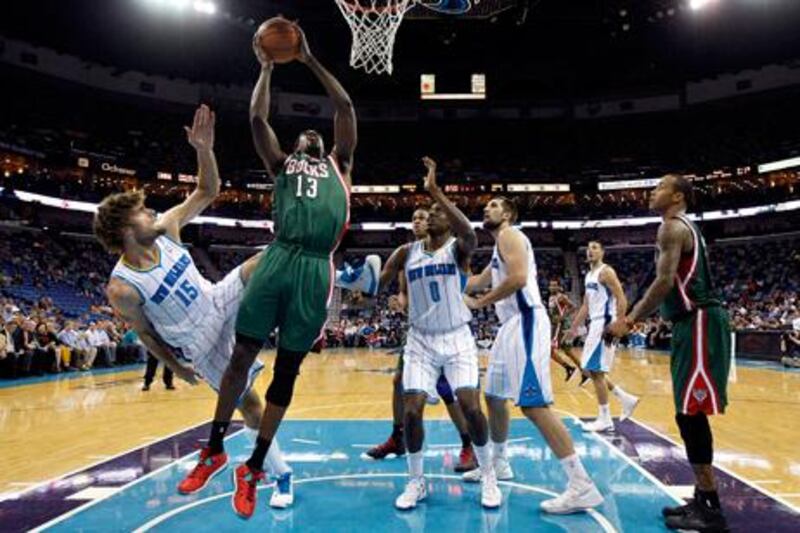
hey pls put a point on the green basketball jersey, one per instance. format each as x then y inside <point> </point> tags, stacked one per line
<point>311,204</point>
<point>694,287</point>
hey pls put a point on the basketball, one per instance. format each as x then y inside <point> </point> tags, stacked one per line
<point>279,40</point>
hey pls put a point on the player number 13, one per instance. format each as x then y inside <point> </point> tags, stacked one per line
<point>311,187</point>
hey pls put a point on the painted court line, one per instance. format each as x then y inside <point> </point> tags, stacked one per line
<point>92,503</point>
<point>762,490</point>
<point>107,458</point>
<point>595,515</point>
<point>306,441</point>
<point>619,453</point>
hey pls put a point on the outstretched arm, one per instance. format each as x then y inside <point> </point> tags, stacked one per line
<point>266,142</point>
<point>466,239</point>
<point>512,249</point>
<point>480,281</point>
<point>671,237</point>
<point>344,120</point>
<point>127,302</point>
<point>201,137</point>
<point>393,267</point>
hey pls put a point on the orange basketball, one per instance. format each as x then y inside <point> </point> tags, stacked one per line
<point>279,40</point>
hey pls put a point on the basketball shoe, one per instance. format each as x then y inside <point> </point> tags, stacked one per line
<point>245,482</point>
<point>207,467</point>
<point>415,491</point>
<point>392,446</point>
<point>579,496</point>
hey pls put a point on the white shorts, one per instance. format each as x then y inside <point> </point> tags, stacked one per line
<point>211,365</point>
<point>597,355</point>
<point>519,367</point>
<point>427,355</point>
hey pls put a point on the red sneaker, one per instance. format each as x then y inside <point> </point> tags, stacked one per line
<point>466,460</point>
<point>391,446</point>
<point>244,497</point>
<point>207,467</point>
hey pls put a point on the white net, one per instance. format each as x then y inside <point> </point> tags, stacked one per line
<point>374,25</point>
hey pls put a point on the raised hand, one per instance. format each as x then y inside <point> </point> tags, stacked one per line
<point>430,178</point>
<point>201,134</point>
<point>305,54</point>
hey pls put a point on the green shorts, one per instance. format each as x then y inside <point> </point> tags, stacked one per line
<point>289,289</point>
<point>700,361</point>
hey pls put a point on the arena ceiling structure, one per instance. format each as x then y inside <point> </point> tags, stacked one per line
<point>529,48</point>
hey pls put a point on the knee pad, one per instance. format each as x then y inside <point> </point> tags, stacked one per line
<point>696,435</point>
<point>444,391</point>
<point>285,371</point>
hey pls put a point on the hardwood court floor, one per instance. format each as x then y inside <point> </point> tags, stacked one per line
<point>51,428</point>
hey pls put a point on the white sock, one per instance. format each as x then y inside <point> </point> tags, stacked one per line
<point>605,412</point>
<point>574,469</point>
<point>274,461</point>
<point>621,394</point>
<point>500,450</point>
<point>484,455</point>
<point>415,467</point>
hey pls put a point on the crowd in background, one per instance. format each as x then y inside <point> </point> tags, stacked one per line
<point>44,274</point>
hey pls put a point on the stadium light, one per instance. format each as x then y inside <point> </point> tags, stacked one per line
<point>205,6</point>
<point>696,5</point>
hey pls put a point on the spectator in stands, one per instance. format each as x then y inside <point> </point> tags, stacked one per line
<point>24,341</point>
<point>70,338</point>
<point>130,348</point>
<point>8,349</point>
<point>790,348</point>
<point>46,354</point>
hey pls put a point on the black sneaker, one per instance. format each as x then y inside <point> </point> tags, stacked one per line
<point>678,510</point>
<point>698,518</point>
<point>146,387</point>
<point>569,370</point>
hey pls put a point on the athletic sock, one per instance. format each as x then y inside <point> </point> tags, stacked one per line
<point>218,430</point>
<point>256,461</point>
<point>465,440</point>
<point>574,469</point>
<point>621,394</point>
<point>276,465</point>
<point>484,455</point>
<point>500,450</point>
<point>415,464</point>
<point>605,412</point>
<point>708,499</point>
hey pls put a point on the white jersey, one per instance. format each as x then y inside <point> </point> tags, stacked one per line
<point>436,289</point>
<point>602,304</point>
<point>525,298</point>
<point>177,300</point>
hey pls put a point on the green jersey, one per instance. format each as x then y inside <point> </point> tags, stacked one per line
<point>311,203</point>
<point>694,288</point>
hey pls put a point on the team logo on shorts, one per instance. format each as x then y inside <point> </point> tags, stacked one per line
<point>700,395</point>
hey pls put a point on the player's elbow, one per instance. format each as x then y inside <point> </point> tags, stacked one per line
<point>519,281</point>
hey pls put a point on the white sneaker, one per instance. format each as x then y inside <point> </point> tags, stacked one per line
<point>491,497</point>
<point>628,406</point>
<point>415,491</point>
<point>283,495</point>
<point>577,498</point>
<point>599,425</point>
<point>364,278</point>
<point>502,469</point>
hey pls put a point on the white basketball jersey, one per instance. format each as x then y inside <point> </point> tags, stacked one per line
<point>177,299</point>
<point>525,298</point>
<point>436,288</point>
<point>602,303</point>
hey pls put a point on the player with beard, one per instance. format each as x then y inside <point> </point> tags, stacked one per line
<point>519,364</point>
<point>179,315</point>
<point>700,354</point>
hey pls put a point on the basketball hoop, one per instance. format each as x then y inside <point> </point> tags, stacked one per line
<point>374,25</point>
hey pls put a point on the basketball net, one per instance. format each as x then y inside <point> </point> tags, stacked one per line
<point>373,24</point>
